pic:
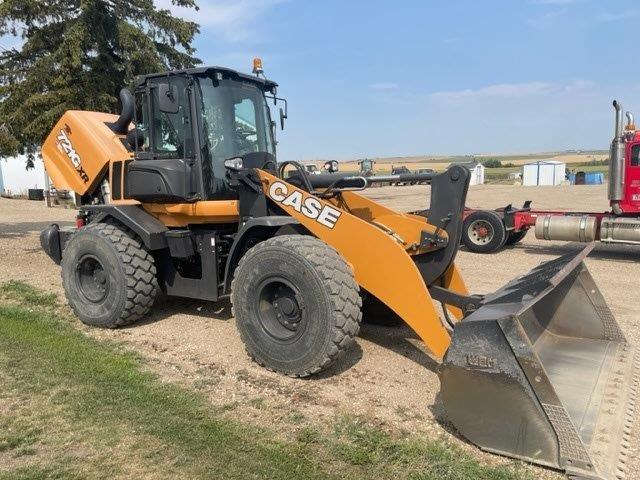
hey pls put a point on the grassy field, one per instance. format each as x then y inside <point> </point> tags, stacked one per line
<point>75,407</point>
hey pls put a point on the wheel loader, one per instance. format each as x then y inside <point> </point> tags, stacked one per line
<point>182,194</point>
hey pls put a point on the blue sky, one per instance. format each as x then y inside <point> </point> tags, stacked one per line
<point>410,77</point>
<point>414,77</point>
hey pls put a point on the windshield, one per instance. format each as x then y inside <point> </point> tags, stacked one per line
<point>235,122</point>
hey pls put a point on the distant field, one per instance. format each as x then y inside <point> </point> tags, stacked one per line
<point>501,175</point>
<point>574,160</point>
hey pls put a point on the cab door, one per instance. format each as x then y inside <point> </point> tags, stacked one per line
<point>163,170</point>
<point>631,202</point>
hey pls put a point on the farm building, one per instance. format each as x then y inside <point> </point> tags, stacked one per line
<point>544,172</point>
<point>477,171</point>
<point>15,180</point>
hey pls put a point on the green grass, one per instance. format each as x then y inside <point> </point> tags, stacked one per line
<point>75,407</point>
<point>28,295</point>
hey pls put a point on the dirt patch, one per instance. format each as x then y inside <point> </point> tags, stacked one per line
<point>387,377</point>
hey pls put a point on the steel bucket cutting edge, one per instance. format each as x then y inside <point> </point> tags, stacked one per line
<point>542,372</point>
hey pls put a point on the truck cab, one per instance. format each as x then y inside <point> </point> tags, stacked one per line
<point>631,201</point>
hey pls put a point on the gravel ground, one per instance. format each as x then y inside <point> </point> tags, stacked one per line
<point>387,376</point>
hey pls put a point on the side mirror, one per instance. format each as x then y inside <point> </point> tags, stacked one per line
<point>283,116</point>
<point>168,98</point>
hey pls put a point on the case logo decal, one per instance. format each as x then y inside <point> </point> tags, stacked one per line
<point>309,206</point>
<point>64,144</point>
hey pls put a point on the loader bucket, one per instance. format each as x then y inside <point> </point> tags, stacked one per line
<point>542,372</point>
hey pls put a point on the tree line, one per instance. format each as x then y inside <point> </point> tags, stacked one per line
<point>77,55</point>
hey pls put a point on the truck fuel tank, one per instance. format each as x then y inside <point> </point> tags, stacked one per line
<point>570,228</point>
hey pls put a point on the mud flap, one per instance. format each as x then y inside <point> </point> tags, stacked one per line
<point>542,372</point>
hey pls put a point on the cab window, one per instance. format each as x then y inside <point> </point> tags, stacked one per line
<point>170,132</point>
<point>245,126</point>
<point>142,121</point>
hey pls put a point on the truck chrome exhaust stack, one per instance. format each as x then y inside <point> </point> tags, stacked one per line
<point>631,124</point>
<point>616,162</point>
<point>618,126</point>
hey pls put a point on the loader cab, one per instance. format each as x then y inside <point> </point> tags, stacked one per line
<point>188,123</point>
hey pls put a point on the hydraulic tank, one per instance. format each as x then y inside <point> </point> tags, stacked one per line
<point>570,228</point>
<point>620,230</point>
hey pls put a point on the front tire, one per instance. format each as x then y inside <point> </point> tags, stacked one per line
<point>484,232</point>
<point>296,303</point>
<point>108,277</point>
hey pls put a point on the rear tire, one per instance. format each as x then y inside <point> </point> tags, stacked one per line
<point>514,237</point>
<point>296,303</point>
<point>108,277</point>
<point>484,232</point>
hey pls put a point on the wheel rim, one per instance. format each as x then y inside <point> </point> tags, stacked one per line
<point>480,232</point>
<point>281,311</point>
<point>92,280</point>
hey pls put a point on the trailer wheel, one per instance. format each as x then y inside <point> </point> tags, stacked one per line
<point>108,277</point>
<point>484,232</point>
<point>514,237</point>
<point>296,303</point>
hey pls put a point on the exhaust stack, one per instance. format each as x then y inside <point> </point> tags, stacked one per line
<point>121,125</point>
<point>631,124</point>
<point>616,162</point>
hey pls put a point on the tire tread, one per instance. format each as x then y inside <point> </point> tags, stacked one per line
<point>139,269</point>
<point>343,290</point>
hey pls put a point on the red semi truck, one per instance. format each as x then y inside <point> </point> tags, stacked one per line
<point>487,231</point>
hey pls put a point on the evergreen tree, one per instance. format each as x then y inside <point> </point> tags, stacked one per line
<point>77,54</point>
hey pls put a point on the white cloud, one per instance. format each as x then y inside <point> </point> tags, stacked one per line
<point>498,90</point>
<point>615,17</point>
<point>383,86</point>
<point>232,20</point>
<point>554,2</point>
<point>579,86</point>
<point>524,90</point>
<point>547,20</point>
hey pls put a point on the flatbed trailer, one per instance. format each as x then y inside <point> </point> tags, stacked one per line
<point>488,231</point>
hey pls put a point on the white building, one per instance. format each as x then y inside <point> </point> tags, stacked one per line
<point>544,172</point>
<point>477,171</point>
<point>16,180</point>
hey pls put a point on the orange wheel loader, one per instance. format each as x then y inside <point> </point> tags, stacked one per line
<point>181,193</point>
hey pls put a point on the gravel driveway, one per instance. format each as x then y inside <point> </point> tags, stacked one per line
<point>388,376</point>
